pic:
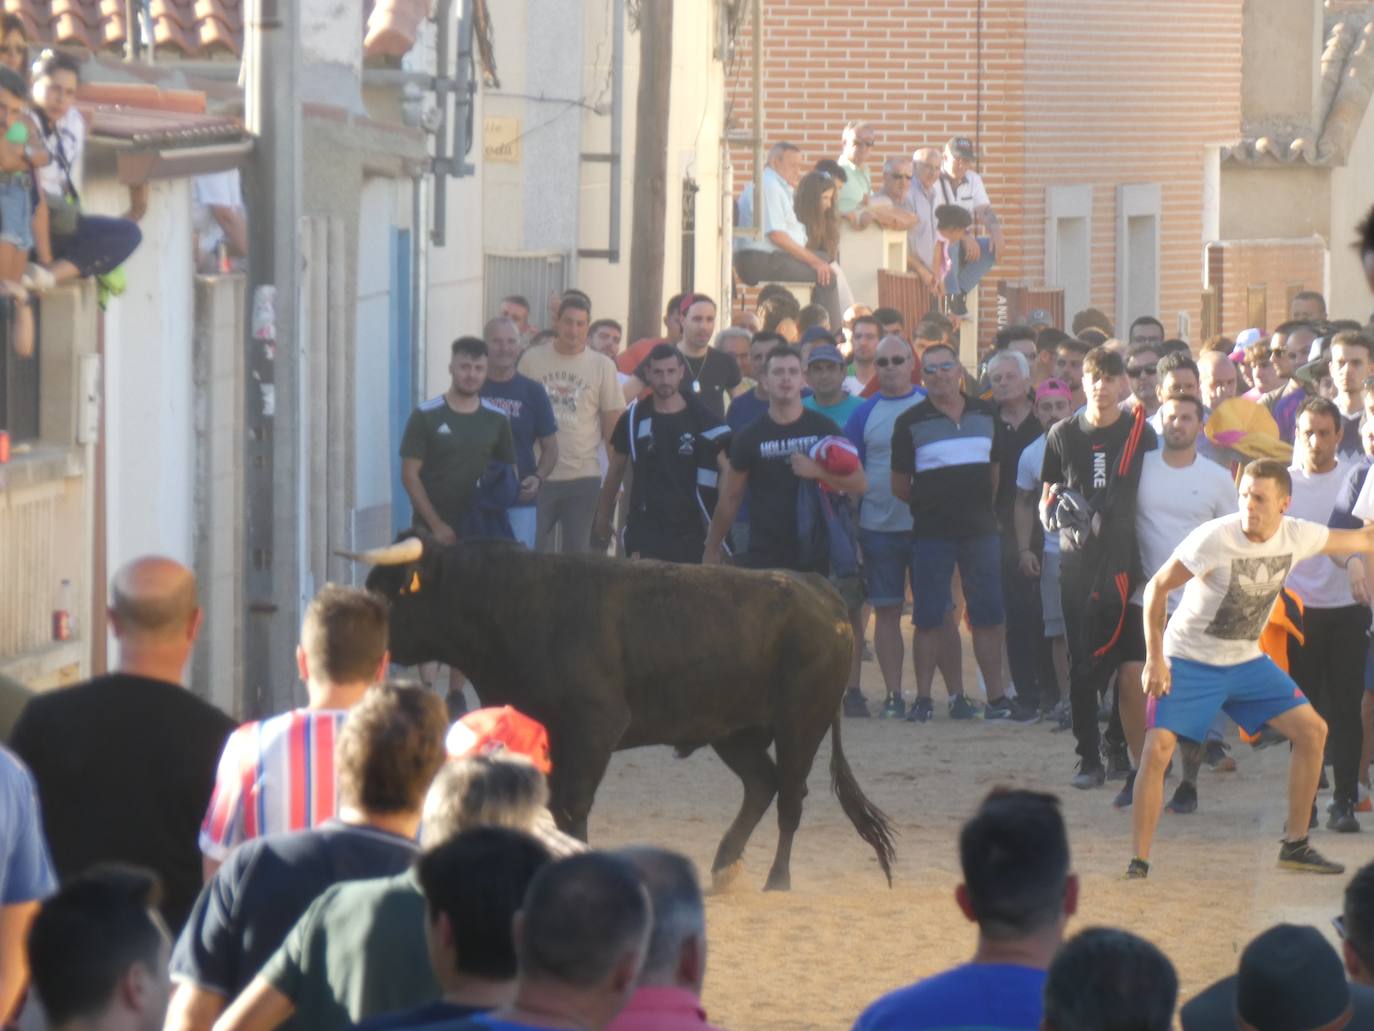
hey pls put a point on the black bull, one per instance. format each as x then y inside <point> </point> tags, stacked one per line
<point>612,654</point>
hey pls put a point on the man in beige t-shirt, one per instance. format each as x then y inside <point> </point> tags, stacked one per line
<point>585,393</point>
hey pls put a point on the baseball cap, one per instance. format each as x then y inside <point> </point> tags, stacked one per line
<point>1289,977</point>
<point>962,146</point>
<point>1040,317</point>
<point>1053,388</point>
<point>825,353</point>
<point>818,333</point>
<point>499,729</point>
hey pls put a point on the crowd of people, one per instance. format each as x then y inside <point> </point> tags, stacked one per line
<point>1134,532</point>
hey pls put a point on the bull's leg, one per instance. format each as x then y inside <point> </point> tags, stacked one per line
<point>746,753</point>
<point>577,770</point>
<point>796,750</point>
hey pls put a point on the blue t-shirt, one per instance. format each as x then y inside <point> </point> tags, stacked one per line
<point>26,873</point>
<point>1343,515</point>
<point>870,429</point>
<point>527,405</point>
<point>981,996</point>
<point>839,413</point>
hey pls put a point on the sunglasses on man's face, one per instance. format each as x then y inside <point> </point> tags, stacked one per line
<point>1136,371</point>
<point>883,363</point>
<point>940,367</point>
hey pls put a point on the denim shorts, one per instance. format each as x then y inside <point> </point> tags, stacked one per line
<point>887,562</point>
<point>979,559</point>
<point>16,216</point>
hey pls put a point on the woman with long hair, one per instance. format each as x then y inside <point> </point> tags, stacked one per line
<point>814,204</point>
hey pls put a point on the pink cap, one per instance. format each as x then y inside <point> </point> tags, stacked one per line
<point>1053,388</point>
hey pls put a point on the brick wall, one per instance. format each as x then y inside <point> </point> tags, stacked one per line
<point>1272,269</point>
<point>1108,93</point>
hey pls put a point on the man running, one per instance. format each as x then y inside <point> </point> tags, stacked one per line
<point>1209,658</point>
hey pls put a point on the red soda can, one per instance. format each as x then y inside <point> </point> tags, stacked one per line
<point>4,446</point>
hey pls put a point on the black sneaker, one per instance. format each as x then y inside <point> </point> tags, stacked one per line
<point>1090,775</point>
<point>958,304</point>
<point>997,709</point>
<point>960,708</point>
<point>1323,784</point>
<point>1299,855</point>
<point>1126,794</point>
<point>1137,871</point>
<point>854,704</point>
<point>893,709</point>
<point>921,711</point>
<point>1023,713</point>
<point>1184,800</point>
<point>1216,755</point>
<point>1117,759</point>
<point>1267,736</point>
<point>1342,819</point>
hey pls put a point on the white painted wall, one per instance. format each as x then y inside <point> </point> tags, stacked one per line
<point>148,414</point>
<point>374,447</point>
<point>332,52</point>
<point>1352,195</point>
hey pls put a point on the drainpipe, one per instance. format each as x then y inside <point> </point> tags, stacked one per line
<point>419,283</point>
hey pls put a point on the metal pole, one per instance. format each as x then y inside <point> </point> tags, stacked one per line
<point>274,574</point>
<point>756,42</point>
<point>617,118</point>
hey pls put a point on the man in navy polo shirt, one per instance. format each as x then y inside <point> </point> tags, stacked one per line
<point>1019,890</point>
<point>527,405</point>
<point>944,466</point>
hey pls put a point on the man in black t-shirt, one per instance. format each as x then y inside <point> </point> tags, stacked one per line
<point>676,447</point>
<point>770,457</point>
<point>246,910</point>
<point>709,375</point>
<point>125,763</point>
<point>1097,455</point>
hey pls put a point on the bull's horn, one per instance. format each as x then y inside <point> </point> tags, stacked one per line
<point>398,554</point>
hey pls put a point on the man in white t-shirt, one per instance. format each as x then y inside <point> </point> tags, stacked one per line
<point>1330,665</point>
<point>218,216</point>
<point>1179,491</point>
<point>1209,657</point>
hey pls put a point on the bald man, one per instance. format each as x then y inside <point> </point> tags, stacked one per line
<point>1218,377</point>
<point>125,762</point>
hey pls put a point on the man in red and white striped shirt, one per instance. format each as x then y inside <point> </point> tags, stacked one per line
<point>277,774</point>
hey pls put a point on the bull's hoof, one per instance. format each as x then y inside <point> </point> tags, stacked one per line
<point>724,878</point>
<point>778,882</point>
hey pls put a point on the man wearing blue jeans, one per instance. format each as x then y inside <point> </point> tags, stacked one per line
<point>960,186</point>
<point>944,467</point>
<point>884,521</point>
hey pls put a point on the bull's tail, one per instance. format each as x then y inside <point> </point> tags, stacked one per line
<point>870,821</point>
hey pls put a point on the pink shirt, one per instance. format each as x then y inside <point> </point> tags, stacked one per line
<point>662,1009</point>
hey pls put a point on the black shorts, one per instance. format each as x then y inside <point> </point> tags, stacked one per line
<point>1131,646</point>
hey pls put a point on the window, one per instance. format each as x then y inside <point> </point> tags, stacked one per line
<point>1068,243</point>
<point>1137,252</point>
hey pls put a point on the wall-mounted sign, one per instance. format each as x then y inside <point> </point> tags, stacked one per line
<point>501,140</point>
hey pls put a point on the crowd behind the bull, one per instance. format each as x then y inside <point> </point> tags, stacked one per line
<point>378,857</point>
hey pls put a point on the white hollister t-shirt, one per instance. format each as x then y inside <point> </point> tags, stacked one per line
<point>1235,581</point>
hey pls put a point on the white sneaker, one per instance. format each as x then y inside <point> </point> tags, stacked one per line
<point>37,278</point>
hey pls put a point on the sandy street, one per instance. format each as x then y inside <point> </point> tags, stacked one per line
<point>813,958</point>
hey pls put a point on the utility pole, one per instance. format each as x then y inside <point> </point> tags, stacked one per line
<point>273,527</point>
<point>651,169</point>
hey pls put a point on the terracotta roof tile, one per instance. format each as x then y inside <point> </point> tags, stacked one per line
<point>197,28</point>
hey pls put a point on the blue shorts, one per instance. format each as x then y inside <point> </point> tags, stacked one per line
<point>522,524</point>
<point>16,216</point>
<point>1251,693</point>
<point>887,561</point>
<point>979,560</point>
